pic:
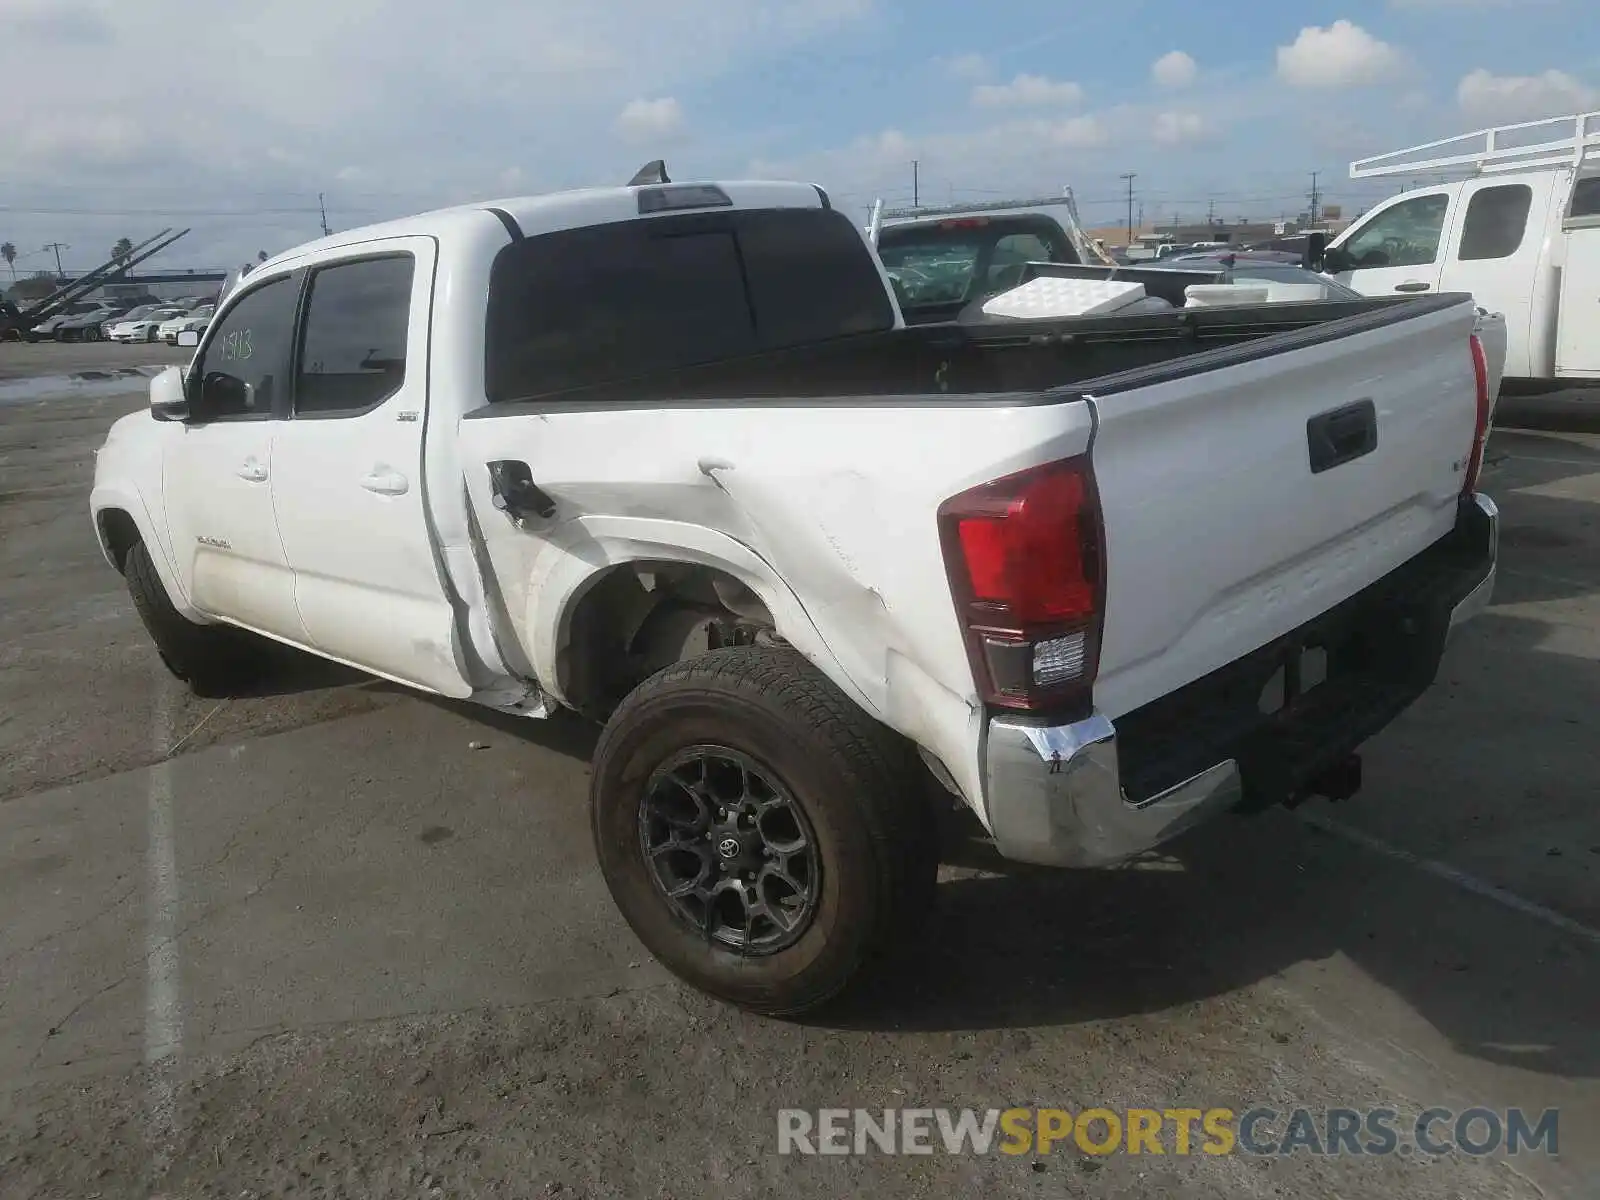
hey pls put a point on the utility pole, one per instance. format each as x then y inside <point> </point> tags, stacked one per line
<point>1129,177</point>
<point>916,194</point>
<point>323,209</point>
<point>1211,212</point>
<point>1316,200</point>
<point>58,247</point>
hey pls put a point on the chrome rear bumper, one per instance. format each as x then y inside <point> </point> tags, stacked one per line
<point>1054,793</point>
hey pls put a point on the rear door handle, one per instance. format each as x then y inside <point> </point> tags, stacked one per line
<point>386,483</point>
<point>252,471</point>
<point>1342,435</point>
<point>1412,285</point>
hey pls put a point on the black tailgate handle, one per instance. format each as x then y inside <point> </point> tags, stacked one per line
<point>1342,435</point>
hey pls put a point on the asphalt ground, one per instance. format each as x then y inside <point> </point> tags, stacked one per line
<point>338,939</point>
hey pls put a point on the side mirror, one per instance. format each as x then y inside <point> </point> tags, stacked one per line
<point>188,337</point>
<point>168,399</point>
<point>1316,252</point>
<point>1336,260</point>
<point>224,393</point>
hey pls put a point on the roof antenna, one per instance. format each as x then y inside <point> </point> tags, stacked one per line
<point>651,172</point>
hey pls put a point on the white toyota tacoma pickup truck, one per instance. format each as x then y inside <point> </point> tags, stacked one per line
<point>667,455</point>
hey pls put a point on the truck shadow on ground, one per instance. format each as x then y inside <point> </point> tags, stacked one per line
<point>1245,899</point>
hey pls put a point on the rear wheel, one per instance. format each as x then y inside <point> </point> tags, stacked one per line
<point>763,836</point>
<point>213,660</point>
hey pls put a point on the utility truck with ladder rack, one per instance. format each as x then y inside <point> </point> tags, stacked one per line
<point>1521,233</point>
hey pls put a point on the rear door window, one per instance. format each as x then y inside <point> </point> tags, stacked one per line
<point>353,348</point>
<point>1497,218</point>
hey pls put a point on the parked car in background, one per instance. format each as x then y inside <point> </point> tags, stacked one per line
<point>46,330</point>
<point>86,327</point>
<point>196,319</point>
<point>143,328</point>
<point>135,313</point>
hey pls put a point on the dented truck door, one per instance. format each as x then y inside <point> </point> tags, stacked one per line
<point>348,479</point>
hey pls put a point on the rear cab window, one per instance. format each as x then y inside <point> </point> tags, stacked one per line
<point>604,303</point>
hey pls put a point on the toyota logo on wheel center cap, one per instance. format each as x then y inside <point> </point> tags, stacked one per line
<point>728,847</point>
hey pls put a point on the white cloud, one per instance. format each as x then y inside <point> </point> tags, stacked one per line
<point>398,74</point>
<point>967,66</point>
<point>1026,91</point>
<point>1174,70</point>
<point>648,120</point>
<point>1508,98</point>
<point>1341,55</point>
<point>1177,128</point>
<point>1074,133</point>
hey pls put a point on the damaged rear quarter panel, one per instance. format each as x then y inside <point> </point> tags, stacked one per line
<point>829,513</point>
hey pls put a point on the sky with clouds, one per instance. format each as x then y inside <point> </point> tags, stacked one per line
<point>121,118</point>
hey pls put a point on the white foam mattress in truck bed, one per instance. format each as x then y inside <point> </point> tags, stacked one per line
<point>1048,297</point>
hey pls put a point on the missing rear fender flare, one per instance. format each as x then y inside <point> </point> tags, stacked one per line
<point>639,618</point>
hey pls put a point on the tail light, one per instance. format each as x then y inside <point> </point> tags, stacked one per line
<point>1480,432</point>
<point>1025,559</point>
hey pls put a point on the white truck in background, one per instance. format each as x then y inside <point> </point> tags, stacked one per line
<point>1522,235</point>
<point>667,455</point>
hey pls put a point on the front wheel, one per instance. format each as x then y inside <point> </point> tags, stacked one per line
<point>214,660</point>
<point>764,837</point>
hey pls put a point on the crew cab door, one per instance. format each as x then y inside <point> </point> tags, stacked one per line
<point>1495,251</point>
<point>217,470</point>
<point>348,484</point>
<point>1399,247</point>
<point>1578,321</point>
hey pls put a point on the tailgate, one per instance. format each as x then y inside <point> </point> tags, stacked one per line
<point>1248,491</point>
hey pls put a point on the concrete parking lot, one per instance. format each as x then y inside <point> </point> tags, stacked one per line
<point>338,939</point>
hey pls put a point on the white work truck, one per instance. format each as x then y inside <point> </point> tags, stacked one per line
<point>666,455</point>
<point>1522,235</point>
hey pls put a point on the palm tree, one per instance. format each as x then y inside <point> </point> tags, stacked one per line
<point>122,251</point>
<point>9,253</point>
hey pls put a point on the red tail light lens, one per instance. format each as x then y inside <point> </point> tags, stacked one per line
<point>1025,561</point>
<point>1480,432</point>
